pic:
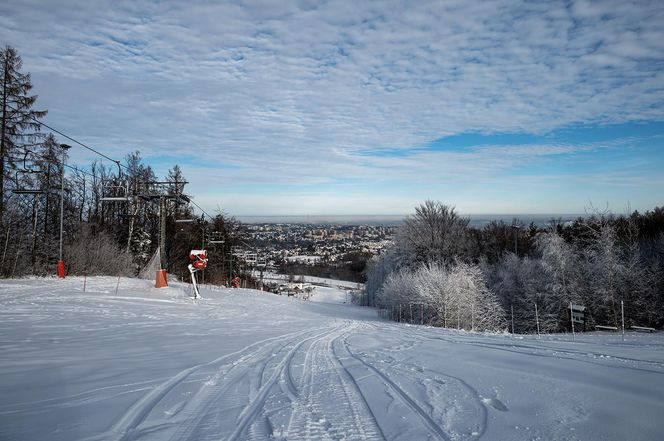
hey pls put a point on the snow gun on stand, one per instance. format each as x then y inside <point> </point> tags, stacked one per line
<point>198,262</point>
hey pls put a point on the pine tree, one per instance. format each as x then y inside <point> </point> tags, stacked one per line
<point>18,126</point>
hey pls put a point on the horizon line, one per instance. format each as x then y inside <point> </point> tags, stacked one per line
<point>407,214</point>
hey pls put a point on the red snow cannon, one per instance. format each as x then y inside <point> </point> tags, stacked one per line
<point>199,258</point>
<point>198,255</point>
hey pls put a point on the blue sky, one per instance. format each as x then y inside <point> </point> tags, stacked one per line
<point>340,107</point>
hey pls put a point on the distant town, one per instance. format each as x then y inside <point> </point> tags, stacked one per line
<point>310,244</point>
<point>288,241</point>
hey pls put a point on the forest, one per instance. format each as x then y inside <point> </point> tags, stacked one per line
<point>108,216</point>
<point>520,277</point>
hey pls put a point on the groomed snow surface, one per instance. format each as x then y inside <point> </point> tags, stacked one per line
<point>149,364</point>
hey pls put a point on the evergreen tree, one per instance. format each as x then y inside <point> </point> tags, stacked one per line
<point>18,126</point>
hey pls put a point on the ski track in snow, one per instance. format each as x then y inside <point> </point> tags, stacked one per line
<point>330,400</point>
<point>420,376</point>
<point>318,372</point>
<point>326,404</point>
<point>404,397</point>
<point>553,352</point>
<point>201,400</point>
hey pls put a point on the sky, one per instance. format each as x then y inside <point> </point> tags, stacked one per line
<point>344,107</point>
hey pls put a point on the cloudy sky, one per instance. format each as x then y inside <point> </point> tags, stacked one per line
<point>350,107</point>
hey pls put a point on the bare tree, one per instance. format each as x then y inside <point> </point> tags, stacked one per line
<point>435,233</point>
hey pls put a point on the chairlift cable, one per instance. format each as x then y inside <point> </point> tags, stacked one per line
<point>72,139</point>
<point>119,164</point>
<point>52,161</point>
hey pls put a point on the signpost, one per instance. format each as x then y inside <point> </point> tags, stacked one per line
<point>577,315</point>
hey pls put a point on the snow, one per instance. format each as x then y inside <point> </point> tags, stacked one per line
<point>275,277</point>
<point>327,294</point>
<point>154,364</point>
<point>304,259</point>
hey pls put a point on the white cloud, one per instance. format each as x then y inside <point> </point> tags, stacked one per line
<point>298,88</point>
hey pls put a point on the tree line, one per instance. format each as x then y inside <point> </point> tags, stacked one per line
<point>100,236</point>
<point>517,276</point>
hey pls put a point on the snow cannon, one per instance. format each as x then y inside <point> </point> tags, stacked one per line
<point>199,260</point>
<point>198,255</point>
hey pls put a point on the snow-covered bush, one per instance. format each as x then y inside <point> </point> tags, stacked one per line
<point>96,253</point>
<point>398,289</point>
<point>457,294</point>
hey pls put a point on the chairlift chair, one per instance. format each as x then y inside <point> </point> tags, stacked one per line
<point>117,189</point>
<point>250,258</point>
<point>216,237</point>
<point>114,191</point>
<point>182,220</point>
<point>26,171</point>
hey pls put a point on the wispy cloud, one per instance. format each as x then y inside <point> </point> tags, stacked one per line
<point>304,89</point>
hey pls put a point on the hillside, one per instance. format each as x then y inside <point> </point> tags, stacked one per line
<point>148,364</point>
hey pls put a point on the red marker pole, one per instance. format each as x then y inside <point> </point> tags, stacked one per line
<point>61,262</point>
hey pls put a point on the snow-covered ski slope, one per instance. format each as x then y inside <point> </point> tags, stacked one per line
<point>148,364</point>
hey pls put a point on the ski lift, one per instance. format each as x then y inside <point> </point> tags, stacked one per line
<point>261,262</point>
<point>238,252</point>
<point>250,258</point>
<point>117,189</point>
<point>216,238</point>
<point>182,220</point>
<point>114,191</point>
<point>26,171</point>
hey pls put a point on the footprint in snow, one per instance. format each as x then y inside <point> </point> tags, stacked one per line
<point>495,403</point>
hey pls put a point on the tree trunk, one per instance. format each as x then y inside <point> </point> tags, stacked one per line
<point>3,130</point>
<point>48,193</point>
<point>80,212</point>
<point>33,251</point>
<point>4,252</point>
<point>132,216</point>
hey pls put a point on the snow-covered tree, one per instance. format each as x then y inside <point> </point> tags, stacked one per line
<point>520,284</point>
<point>562,270</point>
<point>456,294</point>
<point>377,271</point>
